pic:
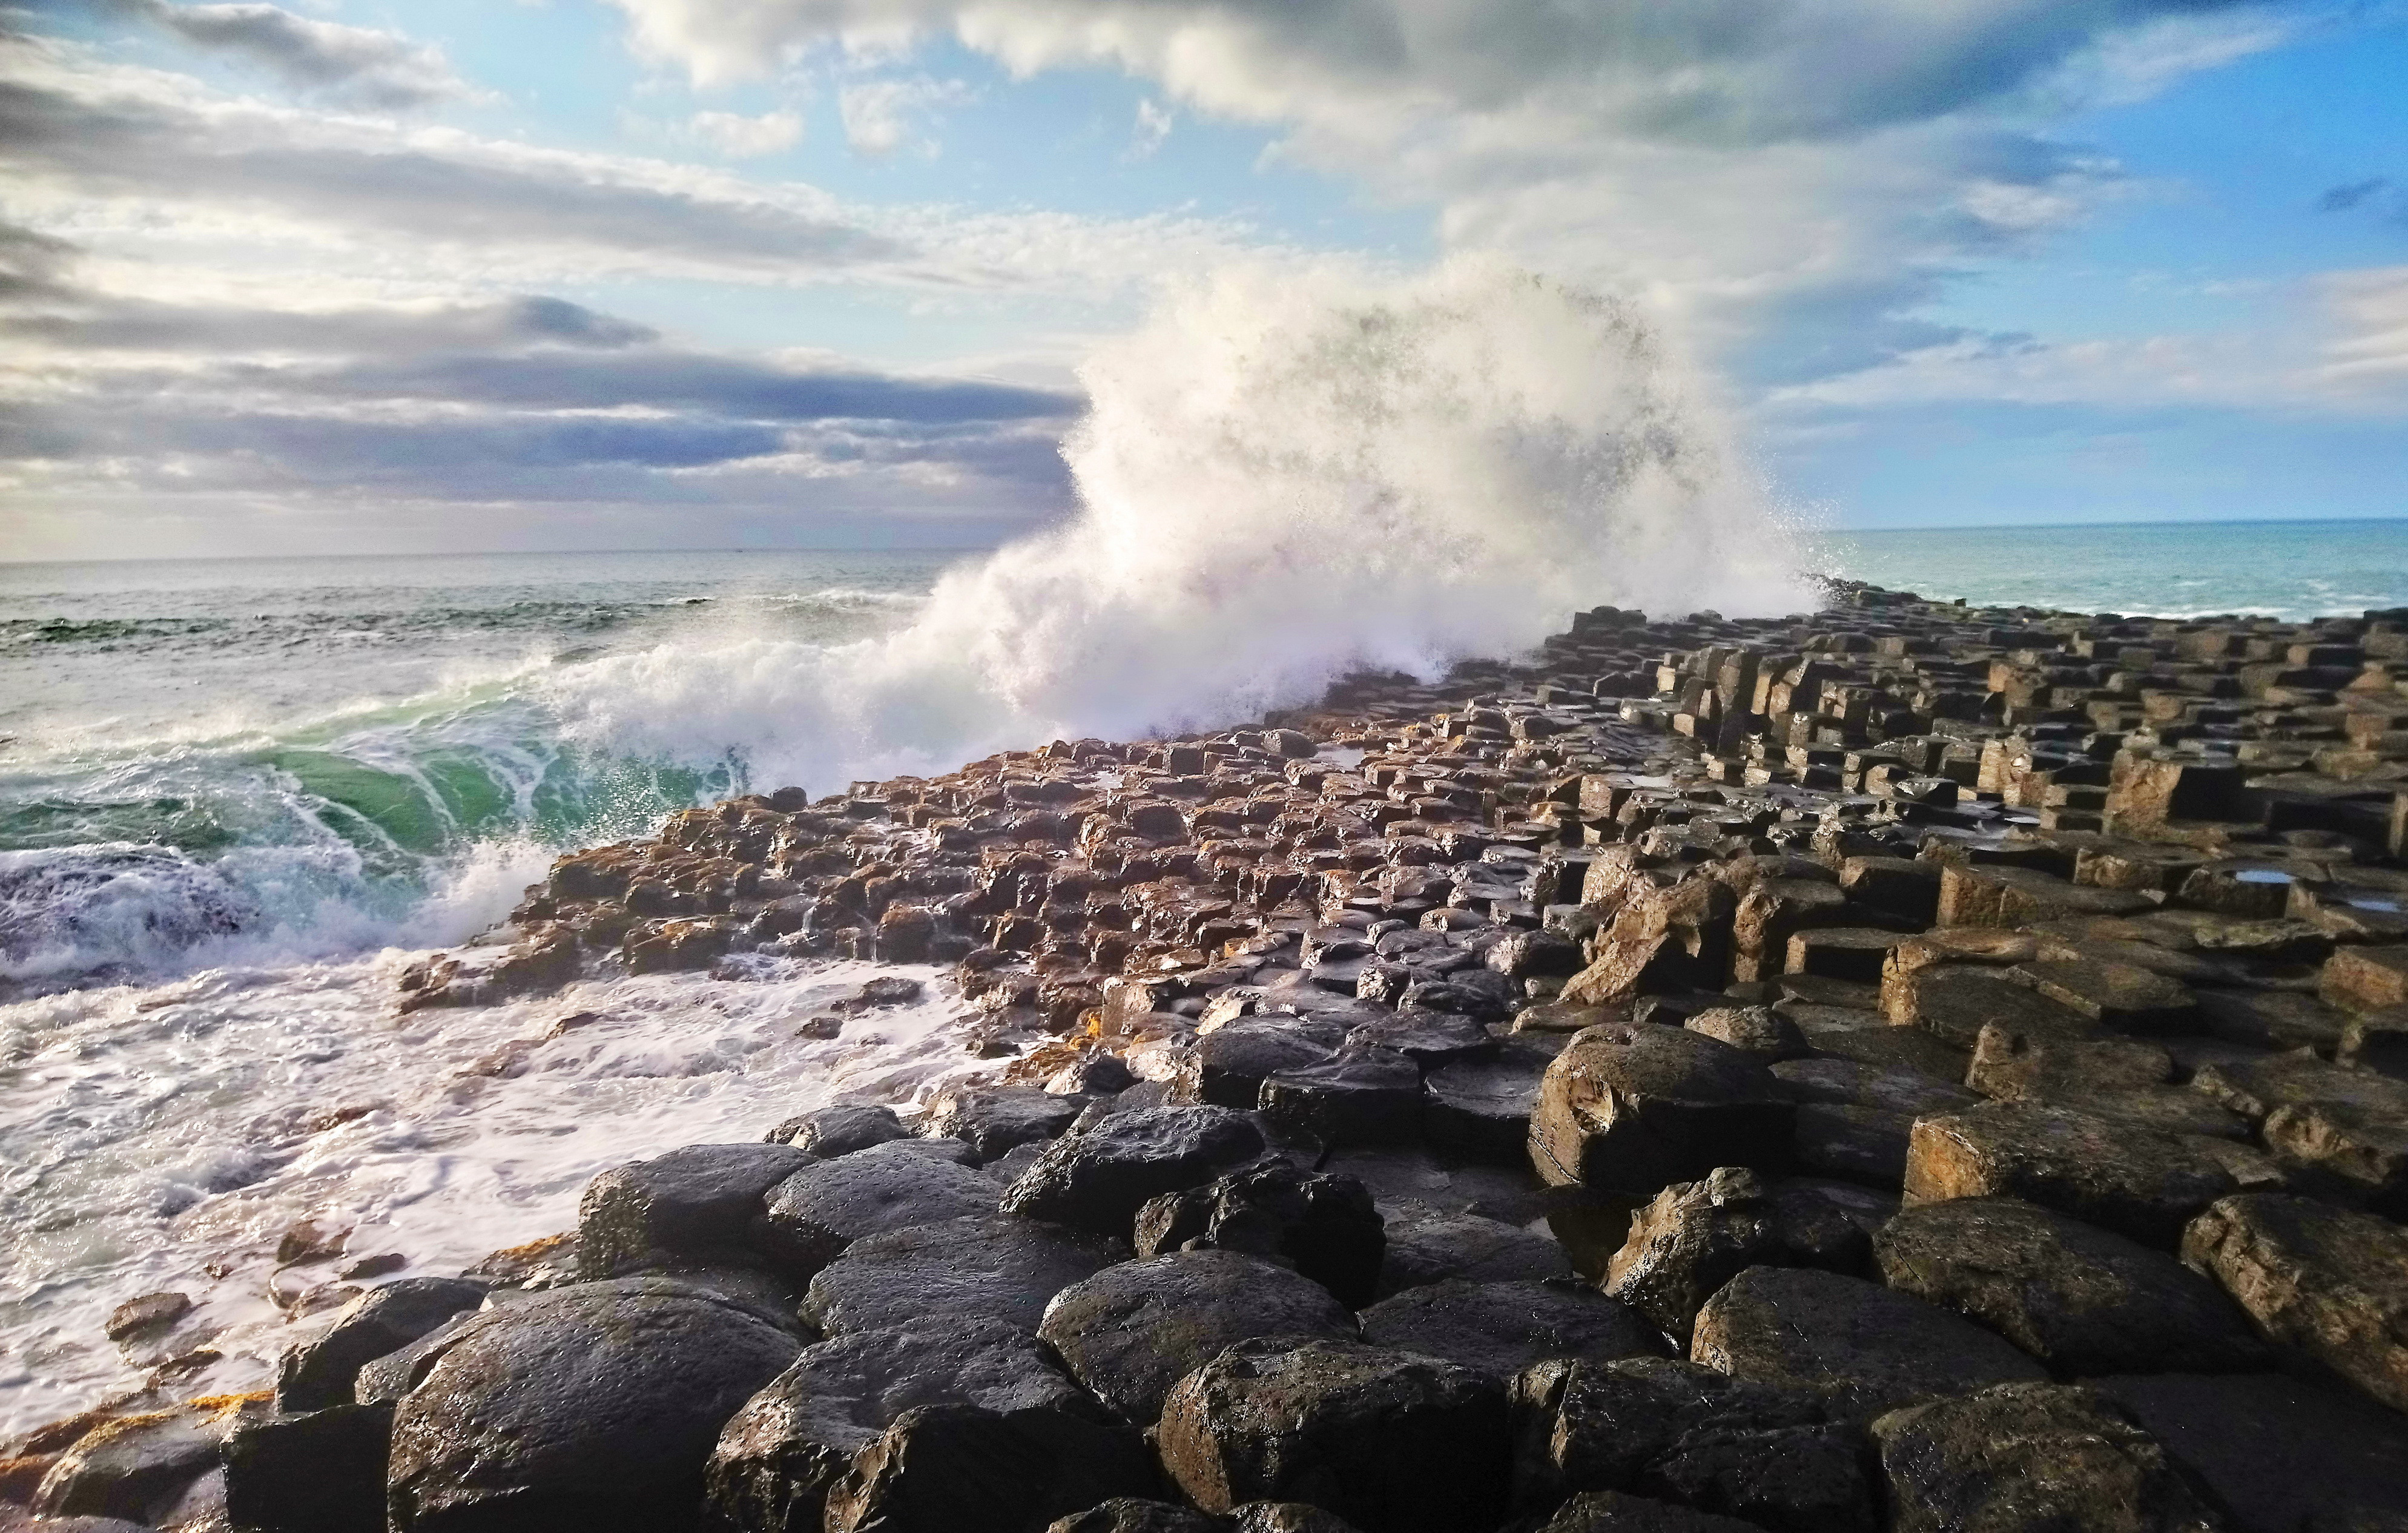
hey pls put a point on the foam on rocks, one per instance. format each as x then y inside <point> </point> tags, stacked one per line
<point>1903,1063</point>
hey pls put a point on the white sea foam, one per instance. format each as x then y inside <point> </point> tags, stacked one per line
<point>163,1138</point>
<point>1283,476</point>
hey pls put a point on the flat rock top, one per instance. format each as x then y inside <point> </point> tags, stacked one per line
<point>1640,1061</point>
<point>989,1265</point>
<point>1865,1344</point>
<point>1133,1331</point>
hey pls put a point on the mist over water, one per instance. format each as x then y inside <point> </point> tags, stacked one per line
<point>1283,477</point>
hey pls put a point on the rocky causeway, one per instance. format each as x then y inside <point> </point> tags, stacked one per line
<point>1907,1067</point>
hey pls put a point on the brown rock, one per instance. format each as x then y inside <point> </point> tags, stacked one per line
<point>2330,1281</point>
<point>2124,997</point>
<point>1696,1235</point>
<point>1665,939</point>
<point>2352,1125</point>
<point>2363,979</point>
<point>1955,1001</point>
<point>2082,1299</point>
<point>1993,895</point>
<point>2031,1455</point>
<point>2136,1182</point>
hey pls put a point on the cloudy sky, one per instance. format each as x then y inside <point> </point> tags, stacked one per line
<point>402,274</point>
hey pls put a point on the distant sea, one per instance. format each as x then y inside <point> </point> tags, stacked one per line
<point>2284,569</point>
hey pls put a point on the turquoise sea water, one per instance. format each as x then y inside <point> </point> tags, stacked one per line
<point>2286,569</point>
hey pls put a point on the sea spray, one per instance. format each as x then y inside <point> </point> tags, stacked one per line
<point>1284,475</point>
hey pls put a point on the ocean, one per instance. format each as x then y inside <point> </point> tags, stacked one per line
<point>2286,569</point>
<point>237,797</point>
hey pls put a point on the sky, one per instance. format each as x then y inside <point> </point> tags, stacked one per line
<point>369,275</point>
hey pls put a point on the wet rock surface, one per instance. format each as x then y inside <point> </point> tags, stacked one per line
<point>1770,1453</point>
<point>2080,937</point>
<point>947,1422</point>
<point>987,1265</point>
<point>1132,1331</point>
<point>1382,1439</point>
<point>594,1405</point>
<point>1099,1179</point>
<point>1324,1226</point>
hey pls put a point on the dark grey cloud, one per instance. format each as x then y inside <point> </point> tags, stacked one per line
<point>168,151</point>
<point>667,378</point>
<point>77,319</point>
<point>1718,72</point>
<point>358,65</point>
<point>533,398</point>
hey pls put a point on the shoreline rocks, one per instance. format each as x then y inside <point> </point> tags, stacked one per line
<point>1906,1065</point>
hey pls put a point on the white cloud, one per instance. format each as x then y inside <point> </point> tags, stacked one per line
<point>359,66</point>
<point>740,138</point>
<point>2339,345</point>
<point>1153,125</point>
<point>2369,354</point>
<point>1799,176</point>
<point>882,116</point>
<point>130,160</point>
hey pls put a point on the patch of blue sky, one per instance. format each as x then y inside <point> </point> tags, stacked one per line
<point>2223,214</point>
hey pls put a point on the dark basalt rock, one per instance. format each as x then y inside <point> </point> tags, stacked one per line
<point>1286,1517</point>
<point>2082,1299</point>
<point>2331,1283</point>
<point>1771,1453</point>
<point>1632,1107</point>
<point>850,1437</point>
<point>1365,1096</point>
<point>1430,1245</point>
<point>1128,1514</point>
<point>1098,1180</point>
<point>1610,1512</point>
<point>322,1472</point>
<point>840,1129</point>
<point>1388,1441</point>
<point>1500,1328</point>
<point>132,1467</point>
<point>992,1120</point>
<point>696,1198</point>
<point>592,1406</point>
<point>991,1265</point>
<point>1428,1038</point>
<point>1132,1331</point>
<point>812,1216</point>
<point>1870,1349</point>
<point>1696,1235</point>
<point>318,1374</point>
<point>2024,1456</point>
<point>1323,1225</point>
<point>2278,1454</point>
<point>1481,1107</point>
<point>1228,1064</point>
